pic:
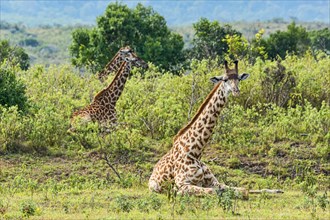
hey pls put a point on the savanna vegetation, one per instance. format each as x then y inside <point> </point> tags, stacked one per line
<point>275,135</point>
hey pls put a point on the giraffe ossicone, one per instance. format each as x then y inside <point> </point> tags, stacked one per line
<point>182,165</point>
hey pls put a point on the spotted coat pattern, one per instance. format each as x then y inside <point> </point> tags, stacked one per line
<point>115,63</point>
<point>182,165</point>
<point>102,109</point>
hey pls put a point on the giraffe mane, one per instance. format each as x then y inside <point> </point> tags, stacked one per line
<point>105,69</point>
<point>98,95</point>
<point>114,58</point>
<point>201,108</point>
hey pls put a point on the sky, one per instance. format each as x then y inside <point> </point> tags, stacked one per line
<point>36,12</point>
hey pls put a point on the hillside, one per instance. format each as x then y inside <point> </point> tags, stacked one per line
<point>52,41</point>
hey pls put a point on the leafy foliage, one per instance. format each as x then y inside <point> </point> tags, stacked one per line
<point>141,28</point>
<point>294,40</point>
<point>14,55</point>
<point>320,40</point>
<point>149,115</point>
<point>208,42</point>
<point>12,89</point>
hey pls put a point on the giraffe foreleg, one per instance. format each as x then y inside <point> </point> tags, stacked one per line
<point>211,181</point>
<point>195,190</point>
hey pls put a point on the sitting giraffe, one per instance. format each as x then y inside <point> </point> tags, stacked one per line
<point>102,109</point>
<point>182,164</point>
<point>115,63</point>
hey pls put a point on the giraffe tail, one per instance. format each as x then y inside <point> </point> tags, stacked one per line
<point>271,191</point>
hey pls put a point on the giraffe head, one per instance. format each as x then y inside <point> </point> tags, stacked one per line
<point>124,51</point>
<point>231,79</point>
<point>136,61</point>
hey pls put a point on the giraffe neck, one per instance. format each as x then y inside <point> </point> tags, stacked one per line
<point>112,67</point>
<point>195,135</point>
<point>111,94</point>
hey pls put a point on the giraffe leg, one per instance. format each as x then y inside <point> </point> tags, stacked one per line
<point>211,181</point>
<point>195,190</point>
<point>188,185</point>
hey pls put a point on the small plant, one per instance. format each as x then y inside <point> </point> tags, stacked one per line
<point>207,203</point>
<point>171,192</point>
<point>3,207</point>
<point>28,208</point>
<point>143,205</point>
<point>127,181</point>
<point>309,187</point>
<point>228,199</point>
<point>66,207</point>
<point>155,202</point>
<point>234,162</point>
<point>150,203</point>
<point>323,201</point>
<point>124,204</point>
<point>182,205</point>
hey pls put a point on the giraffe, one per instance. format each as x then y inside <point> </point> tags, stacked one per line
<point>182,165</point>
<point>102,109</point>
<point>115,63</point>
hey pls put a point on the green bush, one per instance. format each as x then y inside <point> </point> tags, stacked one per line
<point>124,204</point>
<point>156,105</point>
<point>12,90</point>
<point>28,208</point>
<point>11,129</point>
<point>14,55</point>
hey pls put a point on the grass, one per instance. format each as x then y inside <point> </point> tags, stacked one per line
<point>81,187</point>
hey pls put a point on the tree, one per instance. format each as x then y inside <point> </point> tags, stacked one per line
<point>294,40</point>
<point>320,40</point>
<point>12,90</point>
<point>141,28</point>
<point>208,41</point>
<point>14,55</point>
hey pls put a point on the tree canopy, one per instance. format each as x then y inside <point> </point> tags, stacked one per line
<point>15,55</point>
<point>141,28</point>
<point>320,40</point>
<point>12,90</point>
<point>294,40</point>
<point>208,41</point>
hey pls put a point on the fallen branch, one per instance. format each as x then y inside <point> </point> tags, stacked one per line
<point>107,160</point>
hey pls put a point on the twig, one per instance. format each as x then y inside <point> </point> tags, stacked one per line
<point>106,158</point>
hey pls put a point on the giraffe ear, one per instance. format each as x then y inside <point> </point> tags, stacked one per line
<point>217,79</point>
<point>243,76</point>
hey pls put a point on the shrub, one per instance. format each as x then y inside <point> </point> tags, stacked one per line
<point>12,89</point>
<point>14,55</point>
<point>124,204</point>
<point>11,129</point>
<point>28,208</point>
<point>29,42</point>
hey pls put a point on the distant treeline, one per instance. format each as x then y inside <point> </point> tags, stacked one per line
<point>146,31</point>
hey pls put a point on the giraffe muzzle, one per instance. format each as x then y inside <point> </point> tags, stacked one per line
<point>236,92</point>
